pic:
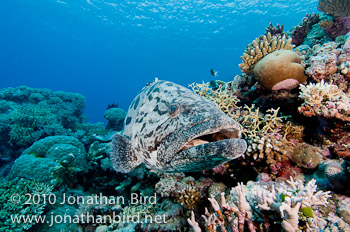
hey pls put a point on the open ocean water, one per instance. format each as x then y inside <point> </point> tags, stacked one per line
<point>109,50</point>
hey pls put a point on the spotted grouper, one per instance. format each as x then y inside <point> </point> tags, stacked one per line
<point>171,129</point>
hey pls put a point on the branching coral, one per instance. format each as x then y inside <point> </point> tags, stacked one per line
<point>185,190</point>
<point>280,202</point>
<point>26,207</point>
<point>260,47</point>
<point>221,96</point>
<point>336,8</point>
<point>278,30</point>
<point>325,100</point>
<point>272,148</point>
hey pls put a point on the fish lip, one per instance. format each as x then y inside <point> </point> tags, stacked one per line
<point>225,125</point>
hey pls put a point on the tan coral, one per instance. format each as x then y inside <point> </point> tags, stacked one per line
<point>336,8</point>
<point>272,148</point>
<point>262,46</point>
<point>306,156</point>
<point>280,70</point>
<point>221,96</point>
<point>189,197</point>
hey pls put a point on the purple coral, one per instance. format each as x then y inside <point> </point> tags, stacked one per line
<point>340,26</point>
<point>304,27</point>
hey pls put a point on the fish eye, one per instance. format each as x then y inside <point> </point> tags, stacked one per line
<point>174,110</point>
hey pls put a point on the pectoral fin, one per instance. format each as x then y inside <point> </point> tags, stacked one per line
<point>122,156</point>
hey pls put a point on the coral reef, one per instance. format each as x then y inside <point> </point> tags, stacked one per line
<point>186,190</point>
<point>260,47</point>
<point>338,27</point>
<point>25,207</point>
<point>306,156</point>
<point>287,205</point>
<point>115,117</point>
<point>332,174</point>
<point>280,70</point>
<point>278,30</point>
<point>52,160</point>
<point>34,113</point>
<point>301,30</point>
<point>325,100</point>
<point>38,169</point>
<point>336,8</point>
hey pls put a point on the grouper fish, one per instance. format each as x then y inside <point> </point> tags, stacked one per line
<point>172,129</point>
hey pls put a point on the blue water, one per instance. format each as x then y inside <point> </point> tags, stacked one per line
<point>108,50</point>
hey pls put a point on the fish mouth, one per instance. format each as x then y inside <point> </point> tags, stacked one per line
<point>212,136</point>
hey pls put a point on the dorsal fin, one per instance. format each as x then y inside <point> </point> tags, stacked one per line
<point>122,156</point>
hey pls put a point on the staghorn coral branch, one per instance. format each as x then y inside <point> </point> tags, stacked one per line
<point>193,223</point>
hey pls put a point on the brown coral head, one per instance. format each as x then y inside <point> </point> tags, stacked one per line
<point>281,69</point>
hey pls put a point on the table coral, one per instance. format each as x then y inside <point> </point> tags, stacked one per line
<point>325,100</point>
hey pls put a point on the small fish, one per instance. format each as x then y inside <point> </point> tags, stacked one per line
<point>171,129</point>
<point>214,73</point>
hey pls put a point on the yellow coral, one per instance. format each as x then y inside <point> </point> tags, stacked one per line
<point>262,46</point>
<point>189,197</point>
<point>221,96</point>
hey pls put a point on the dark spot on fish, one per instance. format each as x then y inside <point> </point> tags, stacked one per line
<point>132,104</point>
<point>150,89</point>
<point>157,99</point>
<point>156,90</point>
<point>169,84</point>
<point>156,109</point>
<point>146,154</point>
<point>137,102</point>
<point>143,127</point>
<point>150,97</point>
<point>150,148</point>
<point>128,120</point>
<point>149,134</point>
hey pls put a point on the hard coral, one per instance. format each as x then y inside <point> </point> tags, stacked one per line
<point>279,204</point>
<point>278,30</point>
<point>306,156</point>
<point>280,70</point>
<point>340,26</point>
<point>26,207</point>
<point>324,100</point>
<point>336,8</point>
<point>259,48</point>
<point>300,31</point>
